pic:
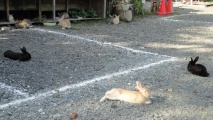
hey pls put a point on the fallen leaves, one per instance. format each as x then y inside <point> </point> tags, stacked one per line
<point>170,90</point>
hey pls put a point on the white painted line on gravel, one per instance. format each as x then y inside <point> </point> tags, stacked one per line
<point>172,18</point>
<point>14,90</point>
<point>97,42</point>
<point>112,75</point>
<point>84,83</point>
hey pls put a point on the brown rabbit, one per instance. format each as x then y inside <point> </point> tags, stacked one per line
<point>141,97</point>
<point>25,23</point>
<point>65,23</point>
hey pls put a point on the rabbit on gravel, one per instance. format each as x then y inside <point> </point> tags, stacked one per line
<point>65,23</point>
<point>25,23</point>
<point>116,19</point>
<point>141,97</point>
<point>110,19</point>
<point>197,69</point>
<point>24,56</point>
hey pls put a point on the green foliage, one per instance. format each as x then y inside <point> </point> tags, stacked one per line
<point>138,7</point>
<point>209,0</point>
<point>85,13</point>
<point>73,14</point>
<point>91,13</point>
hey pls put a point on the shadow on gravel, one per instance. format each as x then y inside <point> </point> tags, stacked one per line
<point>158,99</point>
<point>181,10</point>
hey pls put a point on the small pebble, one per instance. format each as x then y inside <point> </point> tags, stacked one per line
<point>73,116</point>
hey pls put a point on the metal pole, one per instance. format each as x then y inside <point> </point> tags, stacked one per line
<point>53,10</point>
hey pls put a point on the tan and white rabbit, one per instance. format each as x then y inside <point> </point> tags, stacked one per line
<point>116,19</point>
<point>65,23</point>
<point>141,97</point>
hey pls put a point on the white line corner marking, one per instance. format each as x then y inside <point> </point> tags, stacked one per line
<point>97,42</point>
<point>84,83</point>
<point>9,88</point>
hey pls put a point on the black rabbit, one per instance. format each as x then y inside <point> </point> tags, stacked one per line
<point>197,69</point>
<point>24,56</point>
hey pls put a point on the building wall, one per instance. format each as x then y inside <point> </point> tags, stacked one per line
<point>29,8</point>
<point>46,4</point>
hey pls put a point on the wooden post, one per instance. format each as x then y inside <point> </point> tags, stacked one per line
<point>90,4</point>
<point>7,6</point>
<point>53,10</point>
<point>39,11</point>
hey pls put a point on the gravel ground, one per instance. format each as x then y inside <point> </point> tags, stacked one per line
<point>63,59</point>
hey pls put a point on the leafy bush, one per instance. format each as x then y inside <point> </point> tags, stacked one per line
<point>138,7</point>
<point>85,13</point>
<point>91,13</point>
<point>73,14</point>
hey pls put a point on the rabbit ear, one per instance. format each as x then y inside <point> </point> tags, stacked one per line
<point>23,50</point>
<point>191,59</point>
<point>117,16</point>
<point>146,93</point>
<point>138,84</point>
<point>196,59</point>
